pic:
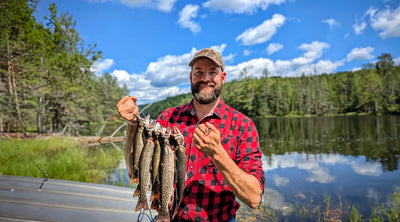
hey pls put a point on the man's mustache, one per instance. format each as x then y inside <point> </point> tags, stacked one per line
<point>204,82</point>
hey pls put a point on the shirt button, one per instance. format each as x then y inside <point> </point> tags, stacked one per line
<point>191,167</point>
<point>184,212</point>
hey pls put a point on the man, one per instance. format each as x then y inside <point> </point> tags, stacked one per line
<point>223,153</point>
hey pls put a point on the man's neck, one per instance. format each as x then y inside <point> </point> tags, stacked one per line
<point>203,110</point>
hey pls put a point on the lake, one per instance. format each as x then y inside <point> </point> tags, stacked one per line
<point>324,164</point>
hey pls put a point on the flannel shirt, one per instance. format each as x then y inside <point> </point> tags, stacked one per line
<point>207,197</point>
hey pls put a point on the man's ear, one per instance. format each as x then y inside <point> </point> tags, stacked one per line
<point>223,77</point>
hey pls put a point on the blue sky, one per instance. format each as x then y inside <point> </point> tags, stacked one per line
<point>147,44</point>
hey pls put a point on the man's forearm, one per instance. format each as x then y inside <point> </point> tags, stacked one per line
<point>245,186</point>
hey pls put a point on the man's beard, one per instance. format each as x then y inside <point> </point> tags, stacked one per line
<point>202,97</point>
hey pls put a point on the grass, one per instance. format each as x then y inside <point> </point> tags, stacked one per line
<point>58,157</point>
<point>325,212</point>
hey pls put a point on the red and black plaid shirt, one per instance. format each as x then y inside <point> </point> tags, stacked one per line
<point>207,197</point>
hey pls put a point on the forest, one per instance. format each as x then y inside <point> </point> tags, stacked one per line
<point>45,79</point>
<point>46,83</point>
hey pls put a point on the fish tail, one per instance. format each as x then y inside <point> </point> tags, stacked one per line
<point>154,196</point>
<point>163,218</point>
<point>137,192</point>
<point>142,204</point>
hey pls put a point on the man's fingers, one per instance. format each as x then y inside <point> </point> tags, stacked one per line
<point>127,108</point>
<point>122,101</point>
<point>134,99</point>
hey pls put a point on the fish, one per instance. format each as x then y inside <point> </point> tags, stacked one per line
<point>128,150</point>
<point>180,153</point>
<point>155,178</point>
<point>139,144</point>
<point>167,166</point>
<point>144,171</point>
<point>157,153</point>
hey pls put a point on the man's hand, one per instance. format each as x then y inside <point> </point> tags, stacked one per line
<point>207,139</point>
<point>128,109</point>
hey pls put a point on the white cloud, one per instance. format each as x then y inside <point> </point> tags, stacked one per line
<point>188,13</point>
<point>331,22</point>
<point>274,47</point>
<point>263,32</point>
<point>136,3</point>
<point>396,61</point>
<point>165,5</point>
<point>169,71</point>
<point>320,175</point>
<point>366,168</point>
<point>386,20</point>
<point>162,5</point>
<point>280,181</point>
<point>240,6</point>
<point>314,50</point>
<point>359,27</point>
<point>246,52</point>
<point>360,54</point>
<point>356,69</point>
<point>288,68</point>
<point>326,66</point>
<point>121,75</point>
<point>254,67</point>
<point>99,67</point>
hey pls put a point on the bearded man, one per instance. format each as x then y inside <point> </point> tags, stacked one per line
<point>222,146</point>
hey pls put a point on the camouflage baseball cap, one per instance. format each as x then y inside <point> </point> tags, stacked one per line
<point>208,53</point>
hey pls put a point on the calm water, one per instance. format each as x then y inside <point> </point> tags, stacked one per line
<point>348,161</point>
<point>316,162</point>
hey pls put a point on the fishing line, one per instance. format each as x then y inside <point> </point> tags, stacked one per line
<point>141,112</point>
<point>143,213</point>
<point>45,174</point>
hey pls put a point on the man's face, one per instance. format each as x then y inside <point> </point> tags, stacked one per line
<point>206,81</point>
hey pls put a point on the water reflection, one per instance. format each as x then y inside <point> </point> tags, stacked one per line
<point>351,160</point>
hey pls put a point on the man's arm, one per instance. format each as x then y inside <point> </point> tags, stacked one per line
<point>245,186</point>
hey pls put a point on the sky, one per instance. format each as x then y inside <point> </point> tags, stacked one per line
<point>148,44</point>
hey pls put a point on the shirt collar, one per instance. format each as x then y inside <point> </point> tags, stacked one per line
<point>216,112</point>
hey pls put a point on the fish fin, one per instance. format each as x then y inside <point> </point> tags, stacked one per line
<point>154,196</point>
<point>155,205</point>
<point>142,204</point>
<point>137,192</point>
<point>163,218</point>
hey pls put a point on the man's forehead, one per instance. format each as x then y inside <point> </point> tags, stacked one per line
<point>205,62</point>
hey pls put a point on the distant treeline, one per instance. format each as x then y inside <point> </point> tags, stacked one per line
<point>45,79</point>
<point>375,89</point>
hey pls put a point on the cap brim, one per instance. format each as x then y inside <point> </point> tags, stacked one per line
<point>198,57</point>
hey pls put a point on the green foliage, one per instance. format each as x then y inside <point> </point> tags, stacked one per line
<point>45,79</point>
<point>59,158</point>
<point>155,109</point>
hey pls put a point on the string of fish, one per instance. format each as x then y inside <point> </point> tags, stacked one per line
<point>156,159</point>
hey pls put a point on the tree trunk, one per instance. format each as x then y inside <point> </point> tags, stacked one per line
<point>14,85</point>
